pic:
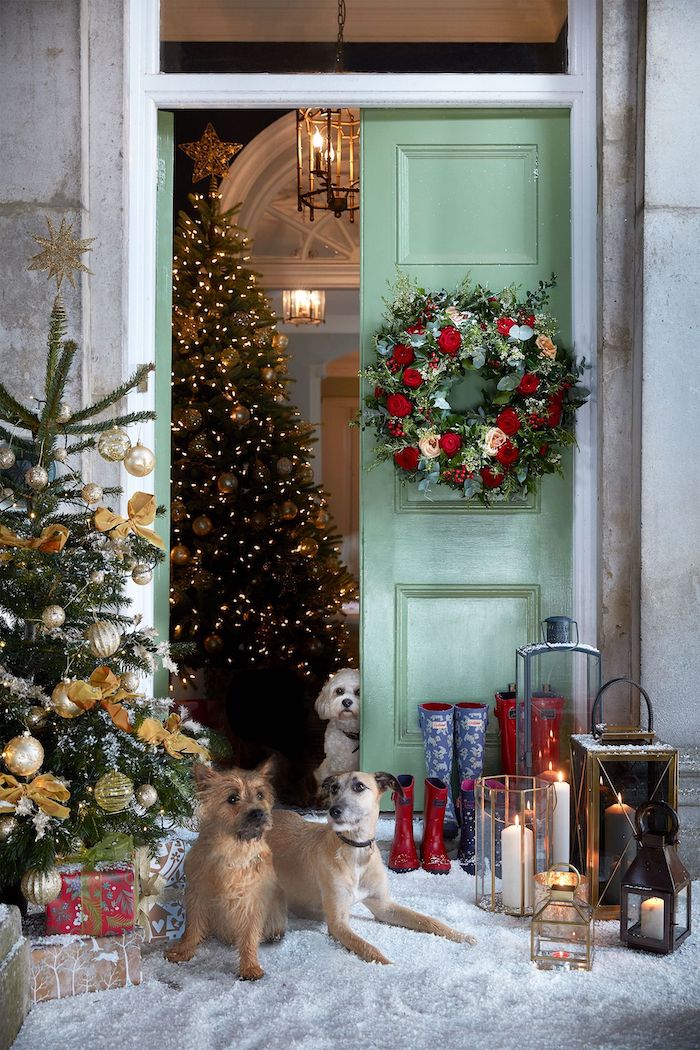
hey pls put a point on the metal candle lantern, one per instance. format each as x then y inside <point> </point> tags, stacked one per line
<point>545,719</point>
<point>614,770</point>
<point>513,840</point>
<point>655,892</point>
<point>562,924</point>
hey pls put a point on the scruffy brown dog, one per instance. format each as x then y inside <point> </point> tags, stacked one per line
<point>232,891</point>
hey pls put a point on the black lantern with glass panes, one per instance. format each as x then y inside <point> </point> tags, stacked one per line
<point>655,891</point>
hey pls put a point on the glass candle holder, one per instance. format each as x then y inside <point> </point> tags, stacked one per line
<point>513,840</point>
<point>562,932</point>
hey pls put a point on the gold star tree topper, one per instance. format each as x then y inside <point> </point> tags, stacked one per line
<point>211,156</point>
<point>61,254</point>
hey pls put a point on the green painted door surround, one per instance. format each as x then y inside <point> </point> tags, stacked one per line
<point>449,589</point>
<point>164,304</point>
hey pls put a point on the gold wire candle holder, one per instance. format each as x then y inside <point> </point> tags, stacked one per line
<point>513,840</point>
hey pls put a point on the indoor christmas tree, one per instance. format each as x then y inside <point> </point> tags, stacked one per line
<point>256,577</point>
<point>85,756</point>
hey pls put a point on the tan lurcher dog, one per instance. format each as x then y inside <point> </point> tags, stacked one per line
<point>324,869</point>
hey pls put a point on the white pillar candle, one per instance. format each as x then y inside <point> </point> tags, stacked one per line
<point>517,852</point>
<point>652,918</point>
<point>560,822</point>
<point>618,823</point>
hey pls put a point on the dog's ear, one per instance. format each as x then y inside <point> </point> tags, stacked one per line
<point>324,790</point>
<point>322,700</point>
<point>204,776</point>
<point>267,767</point>
<point>388,780</point>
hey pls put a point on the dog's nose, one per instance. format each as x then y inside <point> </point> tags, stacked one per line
<point>256,816</point>
<point>347,702</point>
<point>335,812</point>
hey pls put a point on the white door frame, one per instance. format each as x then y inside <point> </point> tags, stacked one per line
<point>148,90</point>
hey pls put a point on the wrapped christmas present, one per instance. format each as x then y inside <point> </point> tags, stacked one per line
<point>161,886</point>
<point>63,966</point>
<point>98,897</point>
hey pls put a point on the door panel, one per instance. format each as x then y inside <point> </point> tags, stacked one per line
<point>450,589</point>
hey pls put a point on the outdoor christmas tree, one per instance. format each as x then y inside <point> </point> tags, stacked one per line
<point>85,756</point>
<point>256,577</point>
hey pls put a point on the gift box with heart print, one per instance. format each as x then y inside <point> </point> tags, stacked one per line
<point>161,878</point>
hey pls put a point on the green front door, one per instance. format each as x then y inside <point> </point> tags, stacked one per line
<point>449,589</point>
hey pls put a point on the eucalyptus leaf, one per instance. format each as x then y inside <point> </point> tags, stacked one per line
<point>478,360</point>
<point>508,382</point>
<point>470,488</point>
<point>579,393</point>
<point>383,348</point>
<point>522,474</point>
<point>503,398</point>
<point>440,402</point>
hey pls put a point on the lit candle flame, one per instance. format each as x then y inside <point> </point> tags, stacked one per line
<point>517,821</point>
<point>619,797</point>
<point>561,776</point>
<point>317,140</point>
<point>550,767</point>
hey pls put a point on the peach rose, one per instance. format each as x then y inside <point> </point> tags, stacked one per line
<point>455,315</point>
<point>493,441</point>
<point>546,346</point>
<point>429,445</point>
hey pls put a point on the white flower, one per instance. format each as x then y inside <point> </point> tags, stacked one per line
<point>429,445</point>
<point>493,440</point>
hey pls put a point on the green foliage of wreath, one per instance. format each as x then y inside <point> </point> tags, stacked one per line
<point>428,343</point>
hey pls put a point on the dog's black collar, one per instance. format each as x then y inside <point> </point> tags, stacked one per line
<point>355,737</point>
<point>350,842</point>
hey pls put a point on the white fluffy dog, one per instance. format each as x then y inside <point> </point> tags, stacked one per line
<point>338,703</point>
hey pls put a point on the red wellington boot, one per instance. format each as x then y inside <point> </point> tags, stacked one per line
<point>403,856</point>
<point>432,849</point>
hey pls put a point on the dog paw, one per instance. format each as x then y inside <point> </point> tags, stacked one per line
<point>177,955</point>
<point>276,935</point>
<point>251,973</point>
<point>467,938</point>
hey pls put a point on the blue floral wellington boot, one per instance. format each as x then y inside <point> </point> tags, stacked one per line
<point>470,739</point>
<point>437,726</point>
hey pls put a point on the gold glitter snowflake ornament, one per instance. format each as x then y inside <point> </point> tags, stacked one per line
<point>61,253</point>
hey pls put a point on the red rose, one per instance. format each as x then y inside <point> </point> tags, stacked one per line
<point>530,321</point>
<point>415,329</point>
<point>528,384</point>
<point>449,340</point>
<point>398,405</point>
<point>554,414</point>
<point>544,449</point>
<point>507,454</point>
<point>504,325</point>
<point>450,444</point>
<point>412,378</point>
<point>507,420</point>
<point>403,354</point>
<point>379,393</point>
<point>407,458</point>
<point>490,479</point>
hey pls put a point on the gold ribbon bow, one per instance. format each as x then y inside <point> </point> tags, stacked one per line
<point>141,511</point>
<point>105,689</point>
<point>175,742</point>
<point>45,790</point>
<point>51,541</point>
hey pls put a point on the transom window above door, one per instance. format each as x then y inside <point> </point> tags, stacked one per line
<point>377,36</point>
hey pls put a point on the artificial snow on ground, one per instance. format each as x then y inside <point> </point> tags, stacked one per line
<point>436,996</point>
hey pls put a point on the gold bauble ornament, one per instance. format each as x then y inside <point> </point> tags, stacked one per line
<point>280,398</point>
<point>37,478</point>
<point>288,510</point>
<point>97,577</point>
<point>146,795</point>
<point>308,546</point>
<point>53,616</point>
<point>130,680</point>
<point>230,357</point>
<point>198,446</point>
<point>60,455</point>
<point>114,444</point>
<point>239,414</point>
<point>41,887</point>
<point>280,341</point>
<point>227,483</point>
<point>178,511</point>
<point>91,492</point>
<point>62,704</point>
<point>64,412</point>
<point>268,375</point>
<point>36,717</point>
<point>23,755</point>
<point>230,392</point>
<point>202,525</point>
<point>7,458</point>
<point>213,643</point>
<point>306,474</point>
<point>113,792</point>
<point>7,826</point>
<point>141,574</point>
<point>104,638</point>
<point>139,461</point>
<point>180,554</point>
<point>192,419</point>
<point>322,519</point>
<point>284,466</point>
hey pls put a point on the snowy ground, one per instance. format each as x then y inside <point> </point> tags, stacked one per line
<point>436,995</point>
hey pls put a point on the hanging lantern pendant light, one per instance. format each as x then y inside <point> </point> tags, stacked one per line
<point>328,143</point>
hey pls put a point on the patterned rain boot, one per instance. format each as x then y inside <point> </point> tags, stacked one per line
<point>466,854</point>
<point>470,739</point>
<point>437,725</point>
<point>403,856</point>
<point>432,850</point>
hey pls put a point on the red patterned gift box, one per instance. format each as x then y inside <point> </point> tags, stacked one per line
<point>100,903</point>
